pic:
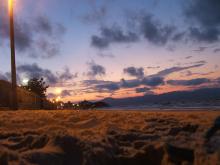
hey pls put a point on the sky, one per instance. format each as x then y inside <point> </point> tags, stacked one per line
<point>93,49</point>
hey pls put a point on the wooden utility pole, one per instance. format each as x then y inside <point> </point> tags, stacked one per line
<point>14,101</point>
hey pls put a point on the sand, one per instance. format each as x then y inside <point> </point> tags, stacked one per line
<point>108,137</point>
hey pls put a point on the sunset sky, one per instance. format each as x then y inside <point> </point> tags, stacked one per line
<point>92,49</point>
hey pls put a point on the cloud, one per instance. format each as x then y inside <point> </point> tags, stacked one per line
<point>142,90</point>
<point>38,37</point>
<point>101,85</point>
<point>192,82</point>
<point>190,73</point>
<point>51,95</point>
<point>43,25</point>
<point>153,67</point>
<point>146,26</point>
<point>205,14</point>
<point>34,71</point>
<point>171,70</point>
<point>154,31</point>
<point>150,81</point>
<point>66,75</point>
<point>153,81</point>
<point>130,83</point>
<point>63,94</point>
<point>135,72</point>
<point>95,70</point>
<point>48,49</point>
<point>102,54</point>
<point>188,57</point>
<point>208,35</point>
<point>200,49</point>
<point>216,50</point>
<point>203,26</point>
<point>23,34</point>
<point>110,87</point>
<point>95,15</point>
<point>112,35</point>
<point>66,93</point>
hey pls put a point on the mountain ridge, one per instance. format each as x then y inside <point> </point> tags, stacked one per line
<point>203,95</point>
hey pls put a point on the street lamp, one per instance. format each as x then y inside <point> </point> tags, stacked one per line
<point>14,105</point>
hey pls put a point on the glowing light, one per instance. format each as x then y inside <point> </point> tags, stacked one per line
<point>10,6</point>
<point>58,91</point>
<point>58,99</point>
<point>25,81</point>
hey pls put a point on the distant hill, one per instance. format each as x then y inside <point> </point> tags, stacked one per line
<point>203,96</point>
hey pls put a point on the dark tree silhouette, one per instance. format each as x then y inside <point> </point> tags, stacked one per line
<point>39,87</point>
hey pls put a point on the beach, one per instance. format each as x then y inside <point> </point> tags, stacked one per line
<point>66,137</point>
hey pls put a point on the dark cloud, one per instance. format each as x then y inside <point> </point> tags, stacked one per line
<point>178,36</point>
<point>38,37</point>
<point>153,67</point>
<point>188,57</point>
<point>112,35</point>
<point>153,81</point>
<point>142,90</point>
<point>130,83</point>
<point>216,50</point>
<point>192,82</point>
<point>48,49</point>
<point>66,75</point>
<point>66,93</point>
<point>147,27</point>
<point>205,13</point>
<point>43,25</point>
<point>94,82</point>
<point>200,49</point>
<point>95,15</point>
<point>101,86</point>
<point>208,35</point>
<point>171,70</point>
<point>190,73</point>
<point>23,35</point>
<point>34,71</point>
<point>203,26</point>
<point>110,87</point>
<point>135,72</point>
<point>202,62</point>
<point>95,70</point>
<point>102,54</point>
<point>51,95</point>
<point>154,31</point>
<point>63,94</point>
